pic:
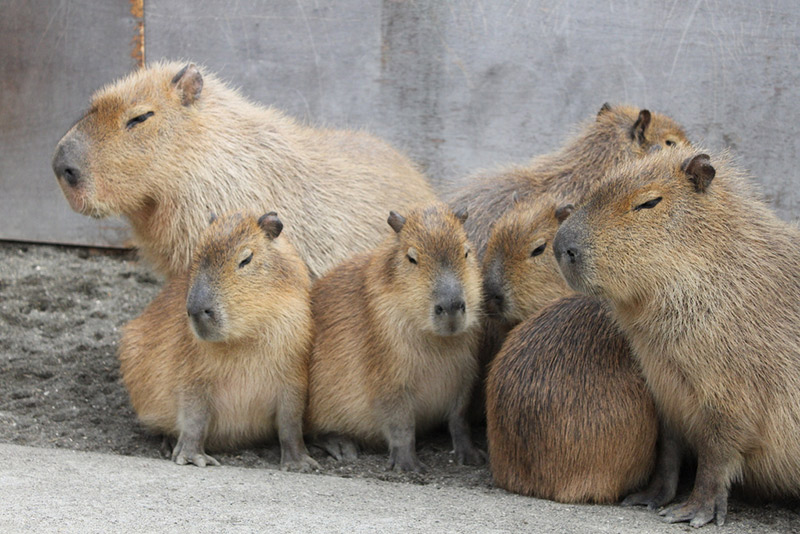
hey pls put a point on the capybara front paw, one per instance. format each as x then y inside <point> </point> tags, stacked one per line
<point>340,447</point>
<point>470,456</point>
<point>303,464</point>
<point>405,462</point>
<point>698,512</point>
<point>184,454</point>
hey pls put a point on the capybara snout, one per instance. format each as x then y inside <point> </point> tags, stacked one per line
<point>205,316</point>
<point>449,310</point>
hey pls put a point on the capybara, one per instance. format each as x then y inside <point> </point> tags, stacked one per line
<point>569,417</point>
<point>396,335</point>
<point>704,281</point>
<point>618,133</point>
<point>171,143</point>
<point>219,359</point>
<point>520,276</point>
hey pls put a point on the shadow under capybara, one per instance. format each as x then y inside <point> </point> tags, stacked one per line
<point>169,144</point>
<point>704,281</point>
<point>569,417</point>
<point>396,335</point>
<point>219,359</point>
<point>618,133</point>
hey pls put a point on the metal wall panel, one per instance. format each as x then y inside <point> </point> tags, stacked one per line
<point>52,56</point>
<point>459,84</point>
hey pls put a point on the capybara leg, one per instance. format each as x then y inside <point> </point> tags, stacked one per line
<point>709,497</point>
<point>401,435</point>
<point>167,444</point>
<point>466,452</point>
<point>294,455</point>
<point>664,482</point>
<point>192,422</point>
<point>338,446</point>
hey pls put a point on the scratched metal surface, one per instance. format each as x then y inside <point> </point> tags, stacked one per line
<point>460,84</point>
<point>53,54</point>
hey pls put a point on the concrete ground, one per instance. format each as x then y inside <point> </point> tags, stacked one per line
<point>54,490</point>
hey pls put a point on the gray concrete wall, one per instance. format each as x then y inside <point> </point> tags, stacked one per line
<point>459,84</point>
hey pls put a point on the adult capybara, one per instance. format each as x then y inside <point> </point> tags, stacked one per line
<point>220,358</point>
<point>170,144</point>
<point>396,334</point>
<point>618,133</point>
<point>704,281</point>
<point>569,417</point>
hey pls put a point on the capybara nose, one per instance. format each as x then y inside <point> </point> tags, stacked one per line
<point>495,302</point>
<point>452,307</point>
<point>565,248</point>
<point>63,169</point>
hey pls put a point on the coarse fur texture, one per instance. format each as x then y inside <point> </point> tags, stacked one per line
<point>236,378</point>
<point>569,417</point>
<point>388,363</point>
<point>170,144</point>
<point>618,133</point>
<point>704,281</point>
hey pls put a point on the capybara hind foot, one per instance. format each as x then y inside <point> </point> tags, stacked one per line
<point>699,510</point>
<point>339,446</point>
<point>470,455</point>
<point>191,452</point>
<point>653,496</point>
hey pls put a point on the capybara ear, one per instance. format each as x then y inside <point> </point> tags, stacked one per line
<point>563,212</point>
<point>700,171</point>
<point>514,198</point>
<point>396,221</point>
<point>462,215</point>
<point>189,83</point>
<point>605,107</point>
<point>640,126</point>
<point>271,224</point>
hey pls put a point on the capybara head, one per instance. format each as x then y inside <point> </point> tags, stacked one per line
<point>134,131</point>
<point>241,274</point>
<point>520,273</point>
<point>650,221</point>
<point>640,130</point>
<point>433,271</point>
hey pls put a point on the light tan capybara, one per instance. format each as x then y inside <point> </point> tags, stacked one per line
<point>704,281</point>
<point>618,133</point>
<point>396,335</point>
<point>219,359</point>
<point>171,143</point>
<point>569,417</point>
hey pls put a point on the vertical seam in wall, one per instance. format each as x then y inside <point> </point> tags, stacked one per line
<point>137,43</point>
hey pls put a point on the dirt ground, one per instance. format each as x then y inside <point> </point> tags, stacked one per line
<point>61,311</point>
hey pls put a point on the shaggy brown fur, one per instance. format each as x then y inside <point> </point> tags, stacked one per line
<point>705,282</point>
<point>170,144</point>
<point>396,334</point>
<point>235,371</point>
<point>619,133</point>
<point>569,417</point>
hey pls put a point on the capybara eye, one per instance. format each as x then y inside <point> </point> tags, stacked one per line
<point>245,261</point>
<point>669,142</point>
<point>647,205</point>
<point>138,119</point>
<point>412,260</point>
<point>466,254</point>
<point>538,250</point>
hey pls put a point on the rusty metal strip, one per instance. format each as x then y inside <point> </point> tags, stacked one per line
<point>137,43</point>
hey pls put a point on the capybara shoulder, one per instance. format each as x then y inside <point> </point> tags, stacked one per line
<point>704,281</point>
<point>169,143</point>
<point>569,417</point>
<point>617,134</point>
<point>219,359</point>
<point>395,342</point>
